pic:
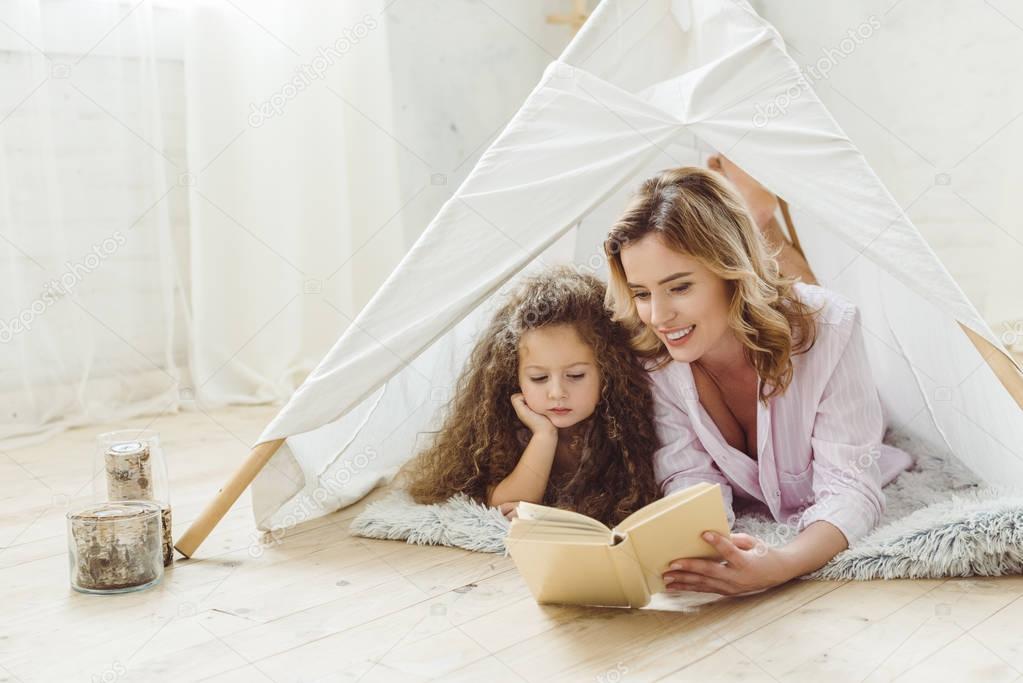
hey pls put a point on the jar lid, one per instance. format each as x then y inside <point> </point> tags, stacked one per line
<point>127,448</point>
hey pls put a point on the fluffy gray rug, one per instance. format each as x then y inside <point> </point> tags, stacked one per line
<point>939,523</point>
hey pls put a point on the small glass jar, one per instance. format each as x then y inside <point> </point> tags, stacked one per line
<point>115,547</point>
<point>130,465</point>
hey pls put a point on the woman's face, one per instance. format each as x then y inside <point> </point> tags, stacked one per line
<point>676,296</point>
<point>558,374</point>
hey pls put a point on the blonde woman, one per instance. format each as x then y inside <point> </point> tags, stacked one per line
<point>761,381</point>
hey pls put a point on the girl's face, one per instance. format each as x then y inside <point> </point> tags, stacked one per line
<point>680,299</point>
<point>558,374</point>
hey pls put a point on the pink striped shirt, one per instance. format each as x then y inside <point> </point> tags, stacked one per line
<point>820,455</point>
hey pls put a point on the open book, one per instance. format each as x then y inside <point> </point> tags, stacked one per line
<point>567,557</point>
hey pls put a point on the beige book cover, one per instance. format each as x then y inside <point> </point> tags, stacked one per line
<point>569,558</point>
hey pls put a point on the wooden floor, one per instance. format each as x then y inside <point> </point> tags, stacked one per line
<point>322,605</point>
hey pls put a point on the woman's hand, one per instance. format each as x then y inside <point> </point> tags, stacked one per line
<point>750,567</point>
<point>537,423</point>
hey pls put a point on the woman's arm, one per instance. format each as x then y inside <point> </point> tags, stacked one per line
<point>751,567</point>
<point>813,548</point>
<point>680,460</point>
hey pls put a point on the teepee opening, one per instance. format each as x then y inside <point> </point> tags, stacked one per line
<point>643,87</point>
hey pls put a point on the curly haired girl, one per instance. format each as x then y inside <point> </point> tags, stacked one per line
<point>552,408</point>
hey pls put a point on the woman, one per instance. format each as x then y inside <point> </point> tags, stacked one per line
<point>761,382</point>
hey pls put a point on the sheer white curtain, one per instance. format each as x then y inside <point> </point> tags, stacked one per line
<point>294,190</point>
<point>195,199</point>
<point>90,302</point>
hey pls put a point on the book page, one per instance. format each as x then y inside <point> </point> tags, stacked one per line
<point>676,533</point>
<point>544,530</point>
<point>660,505</point>
<point>558,517</point>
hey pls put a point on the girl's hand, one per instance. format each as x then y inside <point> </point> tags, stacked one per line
<point>750,567</point>
<point>509,510</point>
<point>537,423</point>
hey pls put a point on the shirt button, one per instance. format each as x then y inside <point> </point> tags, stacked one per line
<point>777,494</point>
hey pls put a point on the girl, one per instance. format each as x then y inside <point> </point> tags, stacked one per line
<point>552,407</point>
<point>761,382</point>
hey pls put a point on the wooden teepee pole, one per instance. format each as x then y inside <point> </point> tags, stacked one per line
<point>1004,367</point>
<point>226,496</point>
<point>793,236</point>
<point>576,19</point>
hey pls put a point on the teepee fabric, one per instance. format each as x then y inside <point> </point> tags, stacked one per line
<point>646,85</point>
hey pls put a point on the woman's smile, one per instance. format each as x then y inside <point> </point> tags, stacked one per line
<point>678,336</point>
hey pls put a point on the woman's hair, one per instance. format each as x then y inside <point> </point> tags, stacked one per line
<point>482,439</point>
<point>696,212</point>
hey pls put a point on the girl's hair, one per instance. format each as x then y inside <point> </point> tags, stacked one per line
<point>696,212</point>
<point>482,438</point>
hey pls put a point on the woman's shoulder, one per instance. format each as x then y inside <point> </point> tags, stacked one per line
<point>668,379</point>
<point>836,321</point>
<point>662,367</point>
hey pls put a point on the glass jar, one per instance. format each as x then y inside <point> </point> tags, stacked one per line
<point>115,547</point>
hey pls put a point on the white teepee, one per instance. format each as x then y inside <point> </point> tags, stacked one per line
<point>644,86</point>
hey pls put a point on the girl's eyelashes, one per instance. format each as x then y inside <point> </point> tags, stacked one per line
<point>543,378</point>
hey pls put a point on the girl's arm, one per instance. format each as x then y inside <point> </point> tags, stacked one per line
<point>528,481</point>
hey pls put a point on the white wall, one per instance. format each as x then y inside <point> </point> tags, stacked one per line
<point>76,169</point>
<point>462,69</point>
